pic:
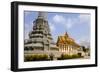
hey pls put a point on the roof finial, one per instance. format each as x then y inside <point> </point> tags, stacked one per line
<point>42,14</point>
<point>66,33</point>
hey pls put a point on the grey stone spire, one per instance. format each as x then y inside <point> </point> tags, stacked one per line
<point>40,37</point>
<point>40,40</point>
<point>42,15</point>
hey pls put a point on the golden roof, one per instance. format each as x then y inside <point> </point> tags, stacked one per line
<point>66,40</point>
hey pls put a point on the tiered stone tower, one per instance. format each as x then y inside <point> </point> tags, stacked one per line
<point>40,39</point>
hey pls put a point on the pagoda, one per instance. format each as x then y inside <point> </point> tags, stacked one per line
<point>67,45</point>
<point>40,39</point>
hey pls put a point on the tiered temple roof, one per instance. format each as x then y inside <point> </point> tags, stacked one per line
<point>65,39</point>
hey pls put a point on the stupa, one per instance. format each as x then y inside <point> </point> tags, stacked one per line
<point>40,39</point>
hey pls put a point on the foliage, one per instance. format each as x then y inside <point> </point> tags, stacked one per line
<point>35,57</point>
<point>85,49</point>
<point>65,56</point>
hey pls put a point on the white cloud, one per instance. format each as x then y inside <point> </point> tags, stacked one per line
<point>52,27</point>
<point>59,19</point>
<point>85,42</point>
<point>83,39</point>
<point>69,23</point>
<point>83,18</point>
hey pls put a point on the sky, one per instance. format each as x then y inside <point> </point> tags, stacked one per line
<point>77,25</point>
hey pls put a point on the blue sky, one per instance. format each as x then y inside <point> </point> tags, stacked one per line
<point>76,24</point>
